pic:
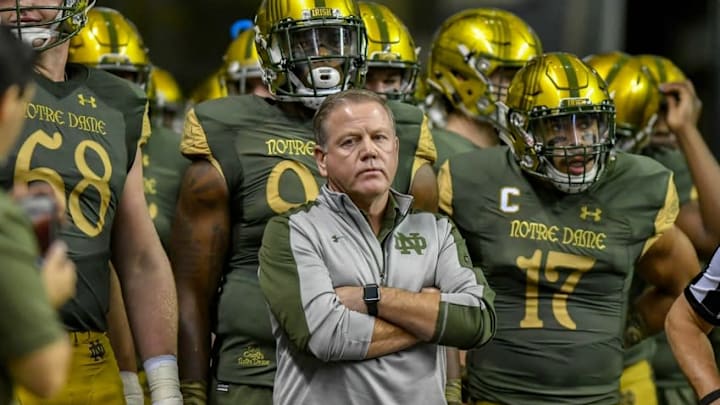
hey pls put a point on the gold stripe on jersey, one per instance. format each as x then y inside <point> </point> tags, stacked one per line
<point>194,141</point>
<point>146,131</point>
<point>693,194</point>
<point>445,190</point>
<point>666,215</point>
<point>425,152</point>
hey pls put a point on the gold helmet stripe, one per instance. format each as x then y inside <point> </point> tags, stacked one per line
<point>112,32</point>
<point>616,68</point>
<point>380,21</point>
<point>572,83</point>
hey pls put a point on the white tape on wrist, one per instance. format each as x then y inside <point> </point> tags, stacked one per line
<point>131,388</point>
<point>162,376</point>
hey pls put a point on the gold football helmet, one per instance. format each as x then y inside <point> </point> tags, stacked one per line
<point>636,97</point>
<point>166,100</point>
<point>469,48</point>
<point>70,19</point>
<point>240,63</point>
<point>662,69</point>
<point>111,42</point>
<point>310,49</point>
<point>561,121</point>
<point>390,47</point>
<point>211,88</point>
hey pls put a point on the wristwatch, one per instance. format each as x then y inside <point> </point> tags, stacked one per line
<point>371,296</point>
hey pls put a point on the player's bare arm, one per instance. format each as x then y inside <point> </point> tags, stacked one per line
<point>119,330</point>
<point>200,235</point>
<point>424,189</point>
<point>144,271</point>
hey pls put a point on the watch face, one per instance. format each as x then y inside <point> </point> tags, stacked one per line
<point>372,293</point>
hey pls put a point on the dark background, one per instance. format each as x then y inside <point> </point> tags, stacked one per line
<point>189,37</point>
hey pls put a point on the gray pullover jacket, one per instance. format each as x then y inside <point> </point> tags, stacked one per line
<point>321,344</point>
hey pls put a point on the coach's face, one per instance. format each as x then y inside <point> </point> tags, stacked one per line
<point>360,157</point>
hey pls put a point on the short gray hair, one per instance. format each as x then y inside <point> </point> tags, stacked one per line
<point>333,101</point>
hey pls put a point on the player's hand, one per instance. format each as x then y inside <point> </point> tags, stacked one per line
<point>352,298</point>
<point>58,273</point>
<point>683,106</point>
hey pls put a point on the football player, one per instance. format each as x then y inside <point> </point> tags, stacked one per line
<point>253,159</point>
<point>82,135</point>
<point>473,56</point>
<point>241,71</point>
<point>559,222</point>
<point>163,164</point>
<point>392,58</point>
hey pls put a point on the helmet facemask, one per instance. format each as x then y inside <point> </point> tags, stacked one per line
<point>71,17</point>
<point>237,77</point>
<point>312,59</point>
<point>570,149</point>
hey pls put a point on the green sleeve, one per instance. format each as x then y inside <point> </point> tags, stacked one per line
<point>466,317</point>
<point>28,322</point>
<point>280,282</point>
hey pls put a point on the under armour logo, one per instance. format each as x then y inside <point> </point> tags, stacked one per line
<point>406,243</point>
<point>585,213</point>
<point>83,101</point>
<point>336,238</point>
<point>97,350</point>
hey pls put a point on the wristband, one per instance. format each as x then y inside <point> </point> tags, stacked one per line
<point>131,388</point>
<point>453,391</point>
<point>194,392</point>
<point>162,377</point>
<point>710,398</point>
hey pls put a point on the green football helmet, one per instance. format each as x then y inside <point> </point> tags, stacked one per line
<point>310,49</point>
<point>636,96</point>
<point>71,17</point>
<point>561,120</point>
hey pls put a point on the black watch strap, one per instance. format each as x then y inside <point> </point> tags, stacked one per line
<point>371,296</point>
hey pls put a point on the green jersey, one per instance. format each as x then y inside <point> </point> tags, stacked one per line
<point>81,136</point>
<point>674,159</point>
<point>266,157</point>
<point>163,167</point>
<point>561,266</point>
<point>28,322</point>
<point>449,143</point>
<point>417,146</point>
